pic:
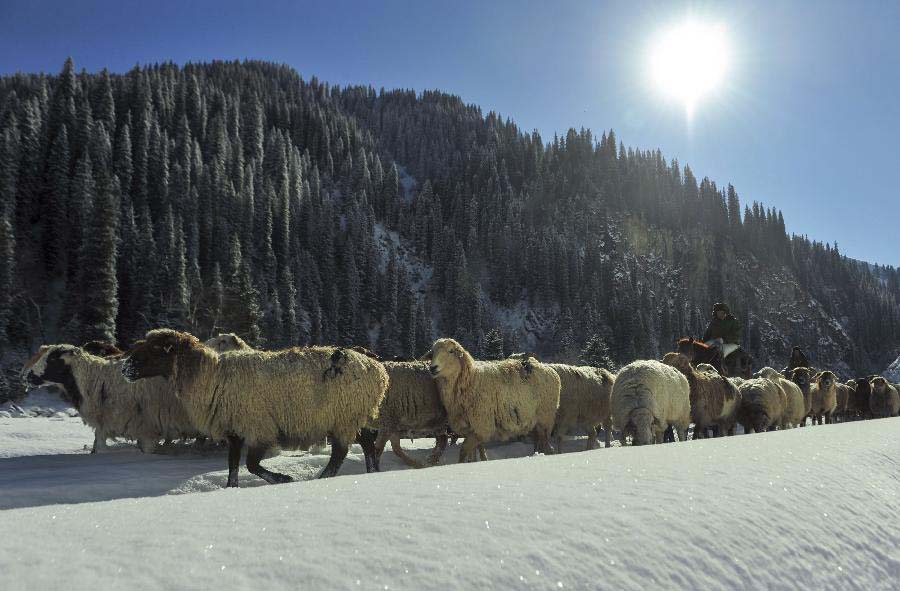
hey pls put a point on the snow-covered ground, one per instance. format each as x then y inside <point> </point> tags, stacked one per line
<point>813,508</point>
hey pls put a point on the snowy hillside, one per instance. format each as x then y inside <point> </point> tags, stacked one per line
<point>892,373</point>
<point>814,508</point>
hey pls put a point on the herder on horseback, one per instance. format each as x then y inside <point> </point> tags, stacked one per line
<point>724,331</point>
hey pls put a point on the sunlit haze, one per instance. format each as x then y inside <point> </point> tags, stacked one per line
<point>689,61</point>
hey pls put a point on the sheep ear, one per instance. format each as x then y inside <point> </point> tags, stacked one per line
<point>427,356</point>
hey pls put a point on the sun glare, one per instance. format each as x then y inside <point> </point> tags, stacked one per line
<point>689,61</point>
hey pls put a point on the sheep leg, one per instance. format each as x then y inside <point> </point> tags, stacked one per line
<point>467,449</point>
<point>235,444</point>
<point>148,446</point>
<point>682,432</point>
<point>99,441</point>
<point>558,442</point>
<point>254,456</point>
<point>366,439</point>
<point>440,444</point>
<point>381,442</point>
<point>398,451</point>
<point>338,453</point>
<point>592,439</point>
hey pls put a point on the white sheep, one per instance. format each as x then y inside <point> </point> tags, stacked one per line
<point>795,409</point>
<point>108,403</point>
<point>648,397</point>
<point>225,342</point>
<point>291,398</point>
<point>762,405</point>
<point>494,400</point>
<point>583,402</point>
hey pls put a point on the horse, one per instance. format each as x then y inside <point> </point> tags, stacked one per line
<point>738,364</point>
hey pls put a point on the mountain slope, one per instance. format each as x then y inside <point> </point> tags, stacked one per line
<point>241,197</point>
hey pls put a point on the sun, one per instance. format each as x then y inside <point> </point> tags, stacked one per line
<point>689,61</point>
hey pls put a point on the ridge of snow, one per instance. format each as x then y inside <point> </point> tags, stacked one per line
<point>804,508</point>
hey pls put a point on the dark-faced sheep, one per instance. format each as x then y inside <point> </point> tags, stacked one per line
<point>494,400</point>
<point>647,398</point>
<point>108,403</point>
<point>884,399</point>
<point>291,398</point>
<point>714,400</point>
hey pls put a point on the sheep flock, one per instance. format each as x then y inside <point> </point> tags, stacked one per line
<point>172,387</point>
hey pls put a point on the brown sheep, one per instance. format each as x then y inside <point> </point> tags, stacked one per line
<point>102,349</point>
<point>714,400</point>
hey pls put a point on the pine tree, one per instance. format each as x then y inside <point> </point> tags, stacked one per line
<point>596,354</point>
<point>100,305</point>
<point>241,311</point>
<point>55,209</point>
<point>492,348</point>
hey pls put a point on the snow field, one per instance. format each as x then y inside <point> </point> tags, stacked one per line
<point>810,508</point>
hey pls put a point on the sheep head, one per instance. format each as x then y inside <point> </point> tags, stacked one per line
<point>643,422</point>
<point>51,366</point>
<point>802,376</point>
<point>156,355</point>
<point>447,359</point>
<point>227,342</point>
<point>878,385</point>
<point>679,361</point>
<point>826,379</point>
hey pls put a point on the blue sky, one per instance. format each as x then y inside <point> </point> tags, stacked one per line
<point>808,120</point>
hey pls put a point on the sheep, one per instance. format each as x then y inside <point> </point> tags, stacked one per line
<point>583,402</point>
<point>106,401</point>
<point>102,349</point>
<point>762,405</point>
<point>795,407</point>
<point>823,395</point>
<point>223,343</point>
<point>861,392</point>
<point>843,399</point>
<point>494,400</point>
<point>714,400</point>
<point>290,398</point>
<point>411,404</point>
<point>648,397</point>
<point>884,400</point>
<point>803,377</point>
